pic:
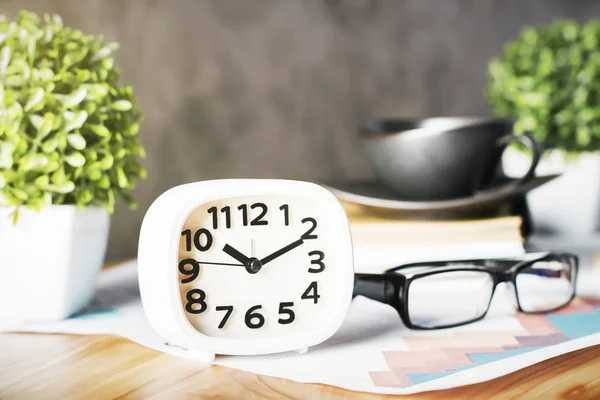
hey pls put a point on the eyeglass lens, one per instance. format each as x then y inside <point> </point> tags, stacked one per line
<point>449,298</point>
<point>545,285</point>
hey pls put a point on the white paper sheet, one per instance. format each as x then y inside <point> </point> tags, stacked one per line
<point>373,351</point>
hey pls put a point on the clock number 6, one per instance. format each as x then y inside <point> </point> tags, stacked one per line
<point>319,261</point>
<point>250,315</point>
<point>195,296</point>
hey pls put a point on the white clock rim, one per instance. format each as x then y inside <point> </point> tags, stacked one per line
<point>174,326</point>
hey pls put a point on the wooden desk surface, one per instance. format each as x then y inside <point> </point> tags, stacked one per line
<point>41,366</point>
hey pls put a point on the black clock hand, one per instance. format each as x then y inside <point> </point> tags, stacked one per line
<point>218,263</point>
<point>236,254</point>
<point>282,251</point>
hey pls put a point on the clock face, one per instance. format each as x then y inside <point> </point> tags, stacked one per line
<point>259,267</point>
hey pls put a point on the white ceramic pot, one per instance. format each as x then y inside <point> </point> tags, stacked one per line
<point>49,262</point>
<point>568,205</point>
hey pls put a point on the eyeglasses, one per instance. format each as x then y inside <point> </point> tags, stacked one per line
<point>435,295</point>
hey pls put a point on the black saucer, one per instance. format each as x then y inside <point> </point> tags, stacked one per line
<point>379,199</point>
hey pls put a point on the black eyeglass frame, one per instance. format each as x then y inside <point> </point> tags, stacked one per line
<point>392,287</point>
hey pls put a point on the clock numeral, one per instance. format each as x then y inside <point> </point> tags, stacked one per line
<point>244,209</point>
<point>319,261</point>
<point>197,239</point>
<point>228,310</point>
<point>307,295</point>
<point>286,214</point>
<point>193,272</point>
<point>259,220</point>
<point>283,309</point>
<point>308,234</point>
<point>215,216</point>
<point>195,296</point>
<point>251,315</point>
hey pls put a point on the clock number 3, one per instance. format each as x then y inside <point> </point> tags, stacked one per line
<point>319,261</point>
<point>195,296</point>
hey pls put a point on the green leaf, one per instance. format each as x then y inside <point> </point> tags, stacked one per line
<point>4,59</point>
<point>42,181</point>
<point>75,159</point>
<point>96,91</point>
<point>15,216</point>
<point>107,162</point>
<point>76,141</point>
<point>122,180</point>
<point>120,154</point>
<point>50,145</point>
<point>75,121</point>
<point>45,74</point>
<point>59,177</point>
<point>35,99</point>
<point>104,182</point>
<point>37,121</point>
<point>52,166</point>
<point>46,127</point>
<point>111,201</point>
<point>583,136</point>
<point>95,175</point>
<point>19,194</point>
<point>63,188</point>
<point>75,98</point>
<point>99,130</point>
<point>2,180</point>
<point>6,150</point>
<point>121,105</point>
<point>33,161</point>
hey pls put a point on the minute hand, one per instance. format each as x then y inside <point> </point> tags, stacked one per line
<point>281,251</point>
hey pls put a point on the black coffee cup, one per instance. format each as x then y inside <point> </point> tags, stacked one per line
<point>442,158</point>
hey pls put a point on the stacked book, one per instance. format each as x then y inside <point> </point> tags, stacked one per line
<point>381,243</point>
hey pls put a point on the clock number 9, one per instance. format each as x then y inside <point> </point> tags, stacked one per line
<point>197,239</point>
<point>195,296</point>
<point>193,272</point>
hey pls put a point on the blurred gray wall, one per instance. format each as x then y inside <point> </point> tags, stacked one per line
<point>277,88</point>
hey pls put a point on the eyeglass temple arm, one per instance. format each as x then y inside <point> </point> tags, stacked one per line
<point>376,287</point>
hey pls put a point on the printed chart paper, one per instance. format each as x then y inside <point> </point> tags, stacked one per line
<point>372,351</point>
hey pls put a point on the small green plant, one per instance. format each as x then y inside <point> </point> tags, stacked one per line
<point>548,80</point>
<point>68,130</point>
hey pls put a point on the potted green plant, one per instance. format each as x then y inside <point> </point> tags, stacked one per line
<point>69,148</point>
<point>547,79</point>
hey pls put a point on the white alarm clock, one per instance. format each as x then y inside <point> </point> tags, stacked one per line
<point>248,266</point>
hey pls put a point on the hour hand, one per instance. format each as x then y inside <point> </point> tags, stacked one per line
<point>236,254</point>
